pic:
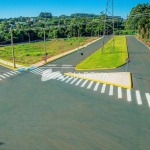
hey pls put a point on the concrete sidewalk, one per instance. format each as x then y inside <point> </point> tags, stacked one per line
<point>9,64</point>
<point>120,79</point>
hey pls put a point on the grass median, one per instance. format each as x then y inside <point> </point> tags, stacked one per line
<point>108,59</point>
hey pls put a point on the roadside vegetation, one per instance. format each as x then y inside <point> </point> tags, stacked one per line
<point>31,53</point>
<point>139,20</point>
<point>107,59</point>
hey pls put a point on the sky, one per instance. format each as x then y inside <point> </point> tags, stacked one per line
<point>32,8</point>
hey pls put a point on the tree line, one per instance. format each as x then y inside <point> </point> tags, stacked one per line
<point>75,25</point>
<point>139,20</point>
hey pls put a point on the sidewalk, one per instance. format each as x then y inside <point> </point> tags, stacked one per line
<point>9,64</point>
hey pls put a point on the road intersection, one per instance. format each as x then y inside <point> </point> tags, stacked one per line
<point>70,113</point>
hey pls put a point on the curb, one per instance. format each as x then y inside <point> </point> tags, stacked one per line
<point>7,66</point>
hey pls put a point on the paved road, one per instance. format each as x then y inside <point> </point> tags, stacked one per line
<point>65,115</point>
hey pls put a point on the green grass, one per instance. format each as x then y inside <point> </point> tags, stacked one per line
<point>107,59</point>
<point>27,54</point>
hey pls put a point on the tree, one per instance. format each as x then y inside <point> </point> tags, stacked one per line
<point>139,19</point>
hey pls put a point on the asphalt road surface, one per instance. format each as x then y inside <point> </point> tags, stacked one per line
<point>67,114</point>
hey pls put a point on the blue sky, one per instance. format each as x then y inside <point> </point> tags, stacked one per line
<point>31,8</point>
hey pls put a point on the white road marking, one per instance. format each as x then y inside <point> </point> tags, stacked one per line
<point>78,82</point>
<point>138,97</point>
<point>148,98</point>
<point>129,95</point>
<point>111,90</point>
<point>69,79</point>
<point>74,80</point>
<point>10,73</point>
<point>96,86</point>
<point>61,77</point>
<point>103,88</point>
<point>90,84</point>
<point>57,76</point>
<point>51,75</point>
<point>2,76</point>
<point>6,75</point>
<point>37,71</point>
<point>119,92</point>
<point>84,83</point>
<point>65,78</point>
<point>13,72</point>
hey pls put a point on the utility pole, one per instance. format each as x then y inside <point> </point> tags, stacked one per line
<point>12,44</point>
<point>45,46</point>
<point>78,38</point>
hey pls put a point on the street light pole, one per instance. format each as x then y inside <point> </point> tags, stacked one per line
<point>12,44</point>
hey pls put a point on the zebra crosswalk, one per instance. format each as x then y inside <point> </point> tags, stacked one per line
<point>118,92</point>
<point>8,74</point>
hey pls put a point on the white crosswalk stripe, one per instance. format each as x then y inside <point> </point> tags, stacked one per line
<point>37,71</point>
<point>61,77</point>
<point>2,76</point>
<point>69,79</point>
<point>103,88</point>
<point>78,82</point>
<point>129,95</point>
<point>90,84</point>
<point>119,92</point>
<point>57,76</point>
<point>138,97</point>
<point>65,78</point>
<point>96,86</point>
<point>111,90</point>
<point>6,75</point>
<point>84,83</point>
<point>51,75</point>
<point>10,73</point>
<point>74,80</point>
<point>148,98</point>
<point>13,72</point>
<point>46,73</point>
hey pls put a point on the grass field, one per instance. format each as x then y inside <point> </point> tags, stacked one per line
<point>31,53</point>
<point>107,59</point>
